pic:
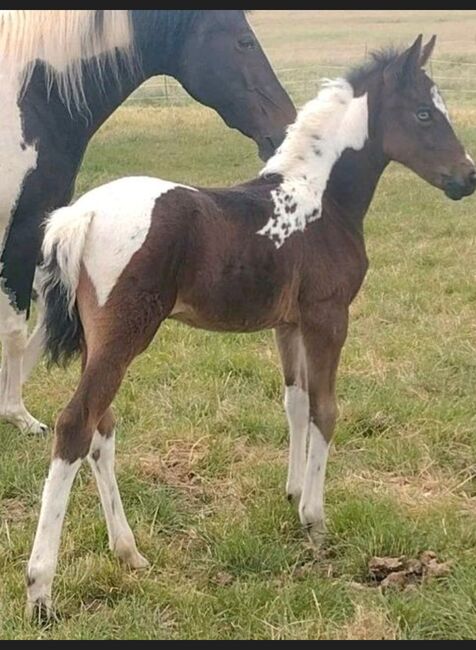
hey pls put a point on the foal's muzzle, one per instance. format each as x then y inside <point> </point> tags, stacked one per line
<point>457,189</point>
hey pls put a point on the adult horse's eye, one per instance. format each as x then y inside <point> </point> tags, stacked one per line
<point>247,43</point>
<point>424,115</point>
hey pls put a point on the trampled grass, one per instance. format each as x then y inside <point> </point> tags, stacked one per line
<point>202,440</point>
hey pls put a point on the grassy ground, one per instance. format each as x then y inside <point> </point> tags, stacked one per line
<point>202,439</point>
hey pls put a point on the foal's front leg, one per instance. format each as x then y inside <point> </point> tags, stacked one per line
<point>323,343</point>
<point>296,403</point>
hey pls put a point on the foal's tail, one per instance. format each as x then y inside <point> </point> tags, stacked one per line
<point>63,246</point>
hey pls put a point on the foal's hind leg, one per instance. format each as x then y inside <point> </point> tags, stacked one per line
<point>73,436</point>
<point>296,403</point>
<point>112,343</point>
<point>101,459</point>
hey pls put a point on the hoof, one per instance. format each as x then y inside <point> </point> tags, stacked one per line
<point>26,423</point>
<point>129,555</point>
<point>36,428</point>
<point>40,611</point>
<point>137,562</point>
<point>316,534</point>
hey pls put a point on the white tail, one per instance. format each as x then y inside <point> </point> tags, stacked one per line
<point>63,246</point>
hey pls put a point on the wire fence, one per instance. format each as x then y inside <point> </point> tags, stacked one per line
<point>456,80</point>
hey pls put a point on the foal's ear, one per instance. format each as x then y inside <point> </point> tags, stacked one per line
<point>427,51</point>
<point>405,66</point>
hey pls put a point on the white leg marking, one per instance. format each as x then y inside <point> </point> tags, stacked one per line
<point>36,342</point>
<point>13,335</point>
<point>33,351</point>
<point>44,555</point>
<point>311,507</point>
<point>121,538</point>
<point>296,403</point>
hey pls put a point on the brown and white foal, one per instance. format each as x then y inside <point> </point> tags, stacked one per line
<point>283,251</point>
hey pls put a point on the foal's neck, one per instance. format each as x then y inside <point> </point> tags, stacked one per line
<point>353,182</point>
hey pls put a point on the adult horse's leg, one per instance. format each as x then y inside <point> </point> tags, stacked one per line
<point>36,342</point>
<point>13,335</point>
<point>323,342</point>
<point>296,403</point>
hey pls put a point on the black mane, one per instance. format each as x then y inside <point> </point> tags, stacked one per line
<point>378,61</point>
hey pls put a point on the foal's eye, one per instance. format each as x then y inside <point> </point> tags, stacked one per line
<point>424,115</point>
<point>247,43</point>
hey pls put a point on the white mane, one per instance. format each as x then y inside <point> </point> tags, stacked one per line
<point>327,125</point>
<point>63,38</point>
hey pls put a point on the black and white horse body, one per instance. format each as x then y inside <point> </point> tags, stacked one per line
<point>52,102</point>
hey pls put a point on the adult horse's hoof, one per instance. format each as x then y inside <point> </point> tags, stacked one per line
<point>26,423</point>
<point>34,427</point>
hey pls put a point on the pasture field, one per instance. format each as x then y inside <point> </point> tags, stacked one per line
<point>202,435</point>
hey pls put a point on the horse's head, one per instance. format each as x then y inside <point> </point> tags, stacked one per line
<point>415,126</point>
<point>222,65</point>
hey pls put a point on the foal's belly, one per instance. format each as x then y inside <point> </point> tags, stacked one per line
<point>227,307</point>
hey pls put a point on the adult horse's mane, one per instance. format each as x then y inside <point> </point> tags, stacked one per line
<point>64,38</point>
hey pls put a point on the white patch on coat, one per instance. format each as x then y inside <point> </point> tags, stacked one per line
<point>469,159</point>
<point>296,404</point>
<point>103,229</point>
<point>439,102</point>
<point>18,159</point>
<point>327,125</point>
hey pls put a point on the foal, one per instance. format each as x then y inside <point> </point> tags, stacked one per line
<point>283,251</point>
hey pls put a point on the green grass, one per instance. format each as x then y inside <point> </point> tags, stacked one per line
<point>202,440</point>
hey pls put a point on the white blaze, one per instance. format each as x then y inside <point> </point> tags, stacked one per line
<point>438,101</point>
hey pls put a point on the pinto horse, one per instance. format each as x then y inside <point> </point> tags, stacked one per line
<point>283,251</point>
<point>62,73</point>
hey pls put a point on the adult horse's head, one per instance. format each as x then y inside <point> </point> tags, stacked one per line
<point>221,64</point>
<point>416,128</point>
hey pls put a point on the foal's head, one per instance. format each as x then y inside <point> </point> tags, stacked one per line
<point>415,128</point>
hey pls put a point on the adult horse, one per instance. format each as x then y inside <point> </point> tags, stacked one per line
<point>285,250</point>
<point>62,73</point>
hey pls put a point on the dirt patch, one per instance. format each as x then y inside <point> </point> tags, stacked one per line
<point>418,492</point>
<point>13,510</point>
<point>402,573</point>
<point>367,624</point>
<point>178,466</point>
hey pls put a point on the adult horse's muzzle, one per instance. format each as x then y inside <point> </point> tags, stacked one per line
<point>456,187</point>
<point>268,145</point>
